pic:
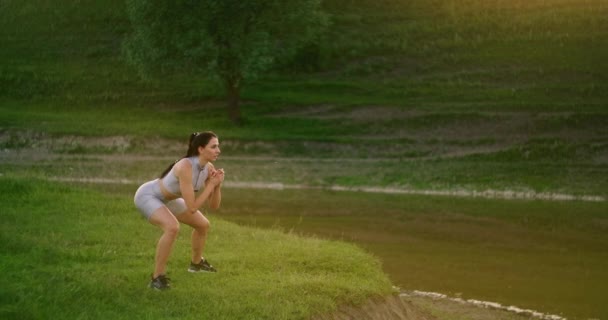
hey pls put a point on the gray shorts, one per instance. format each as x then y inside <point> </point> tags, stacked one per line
<point>149,198</point>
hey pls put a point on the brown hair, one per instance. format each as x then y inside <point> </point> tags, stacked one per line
<point>197,139</point>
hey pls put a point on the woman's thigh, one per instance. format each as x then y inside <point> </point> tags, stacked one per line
<point>164,218</point>
<point>180,210</point>
<point>195,220</point>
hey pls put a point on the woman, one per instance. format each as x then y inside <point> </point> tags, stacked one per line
<point>172,199</point>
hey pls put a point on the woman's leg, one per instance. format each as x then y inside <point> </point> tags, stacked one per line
<point>200,226</point>
<point>164,219</point>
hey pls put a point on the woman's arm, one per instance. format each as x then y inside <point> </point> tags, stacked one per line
<point>184,173</point>
<point>216,195</point>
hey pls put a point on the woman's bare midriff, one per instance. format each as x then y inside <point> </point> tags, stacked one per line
<point>168,195</point>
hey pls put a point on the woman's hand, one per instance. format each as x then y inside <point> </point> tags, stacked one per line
<point>217,177</point>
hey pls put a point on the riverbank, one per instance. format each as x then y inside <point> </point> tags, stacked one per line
<point>426,242</point>
<point>76,253</point>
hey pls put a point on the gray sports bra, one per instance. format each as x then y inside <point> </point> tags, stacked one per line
<point>199,175</point>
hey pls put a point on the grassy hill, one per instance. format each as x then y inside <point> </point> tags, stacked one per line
<point>455,54</point>
<point>418,95</point>
<point>89,262</point>
<point>501,95</point>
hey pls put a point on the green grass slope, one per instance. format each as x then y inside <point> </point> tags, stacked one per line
<point>455,54</point>
<point>72,253</point>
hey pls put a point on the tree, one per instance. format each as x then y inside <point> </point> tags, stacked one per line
<point>234,39</point>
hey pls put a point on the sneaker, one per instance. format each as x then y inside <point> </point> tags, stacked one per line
<point>160,283</point>
<point>202,266</point>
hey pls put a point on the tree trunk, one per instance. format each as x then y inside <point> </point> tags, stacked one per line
<point>233,90</point>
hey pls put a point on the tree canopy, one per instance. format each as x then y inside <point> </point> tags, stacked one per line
<point>233,39</point>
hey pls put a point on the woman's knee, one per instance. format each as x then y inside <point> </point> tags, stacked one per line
<point>171,229</point>
<point>165,220</point>
<point>203,225</point>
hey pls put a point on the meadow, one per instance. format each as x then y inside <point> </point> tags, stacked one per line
<point>442,95</point>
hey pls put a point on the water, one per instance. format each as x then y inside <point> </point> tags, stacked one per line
<point>514,253</point>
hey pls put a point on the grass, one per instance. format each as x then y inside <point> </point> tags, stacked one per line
<point>442,94</point>
<point>76,253</point>
<point>532,54</point>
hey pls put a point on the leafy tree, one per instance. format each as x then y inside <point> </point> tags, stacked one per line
<point>234,39</point>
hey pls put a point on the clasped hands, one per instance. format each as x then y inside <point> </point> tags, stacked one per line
<point>217,176</point>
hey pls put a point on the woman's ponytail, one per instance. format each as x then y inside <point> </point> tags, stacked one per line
<point>197,139</point>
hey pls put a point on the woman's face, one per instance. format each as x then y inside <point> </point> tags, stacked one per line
<point>211,151</point>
